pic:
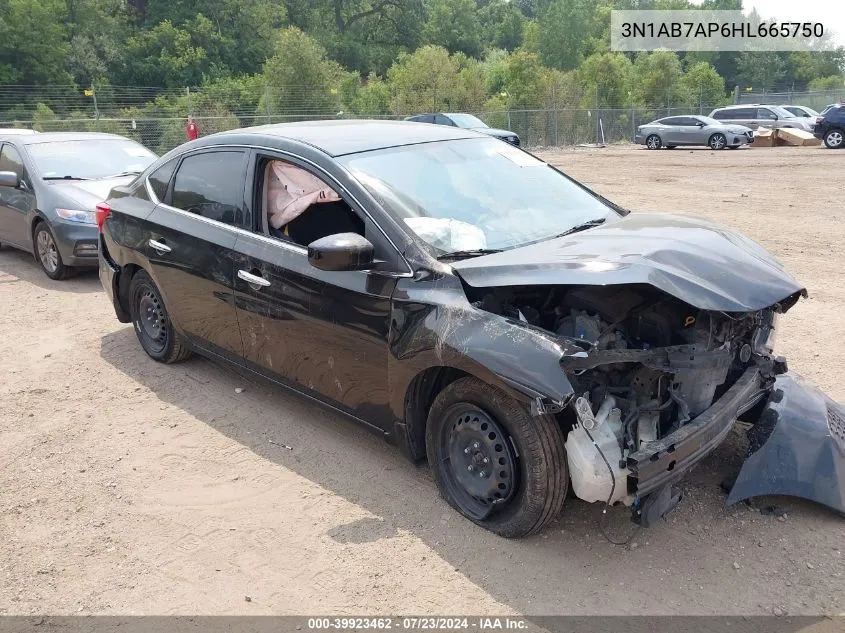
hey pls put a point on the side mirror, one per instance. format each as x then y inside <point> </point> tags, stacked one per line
<point>9,179</point>
<point>342,251</point>
<point>700,124</point>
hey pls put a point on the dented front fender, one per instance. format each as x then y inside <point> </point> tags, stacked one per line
<point>797,447</point>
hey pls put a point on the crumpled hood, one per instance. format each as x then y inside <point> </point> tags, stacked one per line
<point>85,194</point>
<point>707,265</point>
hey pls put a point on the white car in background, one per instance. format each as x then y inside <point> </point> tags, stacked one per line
<point>13,131</point>
<point>802,112</point>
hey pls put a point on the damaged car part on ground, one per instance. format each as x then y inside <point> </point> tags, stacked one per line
<point>469,302</point>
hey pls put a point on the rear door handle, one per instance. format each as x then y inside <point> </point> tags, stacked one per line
<point>253,280</point>
<point>161,247</point>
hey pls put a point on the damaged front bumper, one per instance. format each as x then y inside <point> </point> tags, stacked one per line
<point>797,447</point>
<point>665,461</point>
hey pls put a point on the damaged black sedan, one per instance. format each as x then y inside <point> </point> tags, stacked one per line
<point>478,308</point>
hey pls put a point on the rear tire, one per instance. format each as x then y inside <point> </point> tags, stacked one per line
<point>522,485</point>
<point>152,323</point>
<point>717,141</point>
<point>47,253</point>
<point>653,141</point>
<point>833,139</point>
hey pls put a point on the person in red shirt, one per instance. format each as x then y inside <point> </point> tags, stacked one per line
<point>191,129</point>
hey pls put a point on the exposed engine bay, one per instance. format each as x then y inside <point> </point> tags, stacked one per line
<point>643,365</point>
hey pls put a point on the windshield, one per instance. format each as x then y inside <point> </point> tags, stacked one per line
<point>474,194</point>
<point>466,120</point>
<point>90,158</point>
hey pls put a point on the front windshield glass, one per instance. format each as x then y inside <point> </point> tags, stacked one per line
<point>466,120</point>
<point>474,194</point>
<point>90,158</point>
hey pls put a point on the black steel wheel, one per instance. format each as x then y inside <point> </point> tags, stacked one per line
<point>493,462</point>
<point>152,323</point>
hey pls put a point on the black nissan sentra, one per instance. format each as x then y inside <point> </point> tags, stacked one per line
<point>478,308</point>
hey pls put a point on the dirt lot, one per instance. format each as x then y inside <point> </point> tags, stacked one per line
<point>131,487</point>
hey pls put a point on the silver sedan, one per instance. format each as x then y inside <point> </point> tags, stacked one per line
<point>672,131</point>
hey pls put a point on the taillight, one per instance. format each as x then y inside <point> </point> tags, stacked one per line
<point>103,210</point>
<point>819,119</point>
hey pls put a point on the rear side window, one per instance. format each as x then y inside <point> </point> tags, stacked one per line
<point>765,113</point>
<point>672,120</point>
<point>212,185</point>
<point>160,179</point>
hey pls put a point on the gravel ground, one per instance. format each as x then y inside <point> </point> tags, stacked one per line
<point>129,487</point>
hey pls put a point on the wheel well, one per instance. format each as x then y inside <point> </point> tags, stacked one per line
<point>126,274</point>
<point>419,397</point>
<point>35,222</point>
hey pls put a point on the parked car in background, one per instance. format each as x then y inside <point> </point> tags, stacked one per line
<point>802,112</point>
<point>467,122</point>
<point>478,308</point>
<point>49,186</point>
<point>830,126</point>
<point>672,131</point>
<point>755,115</point>
<point>15,131</point>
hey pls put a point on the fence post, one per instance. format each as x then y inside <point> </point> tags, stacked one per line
<point>598,116</point>
<point>96,107</point>
<point>267,102</point>
<point>633,124</point>
<point>188,95</point>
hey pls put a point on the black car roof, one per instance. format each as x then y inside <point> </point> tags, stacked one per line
<point>337,138</point>
<point>52,137</point>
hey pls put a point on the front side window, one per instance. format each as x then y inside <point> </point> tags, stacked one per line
<point>474,193</point>
<point>211,185</point>
<point>10,160</point>
<point>89,159</point>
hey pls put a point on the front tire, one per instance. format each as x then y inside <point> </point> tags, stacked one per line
<point>833,139</point>
<point>653,141</point>
<point>47,253</point>
<point>152,323</point>
<point>718,141</point>
<point>496,464</point>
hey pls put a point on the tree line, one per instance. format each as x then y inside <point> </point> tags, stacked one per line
<point>374,57</point>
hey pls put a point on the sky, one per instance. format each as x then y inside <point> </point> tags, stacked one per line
<point>831,13</point>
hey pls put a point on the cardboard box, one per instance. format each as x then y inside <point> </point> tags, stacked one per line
<point>796,138</point>
<point>764,137</point>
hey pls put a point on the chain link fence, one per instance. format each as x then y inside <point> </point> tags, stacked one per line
<point>157,117</point>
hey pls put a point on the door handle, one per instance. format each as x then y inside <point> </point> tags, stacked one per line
<point>253,280</point>
<point>161,247</point>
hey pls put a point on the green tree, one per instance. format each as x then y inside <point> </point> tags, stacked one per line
<point>702,86</point>
<point>657,79</point>
<point>832,82</point>
<point>524,83</point>
<point>502,24</point>
<point>761,70</point>
<point>605,80</point>
<point>423,80</point>
<point>563,33</point>
<point>453,24</point>
<point>33,42</point>
<point>300,78</point>
<point>163,56</point>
